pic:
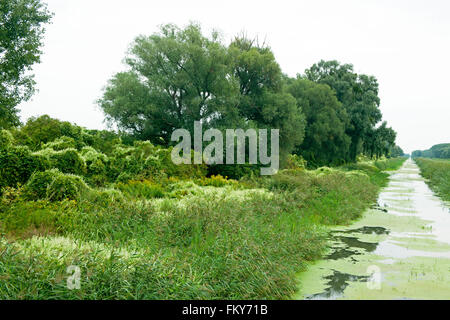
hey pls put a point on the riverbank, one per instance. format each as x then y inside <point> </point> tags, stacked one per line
<point>400,250</point>
<point>209,239</point>
<point>437,173</point>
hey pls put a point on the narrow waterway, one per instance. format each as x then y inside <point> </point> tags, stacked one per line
<point>400,249</point>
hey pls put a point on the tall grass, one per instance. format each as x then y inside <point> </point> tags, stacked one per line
<point>219,242</point>
<point>437,172</point>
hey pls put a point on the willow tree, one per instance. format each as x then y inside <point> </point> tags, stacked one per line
<point>176,77</point>
<point>358,94</point>
<point>21,30</point>
<point>179,76</point>
<point>326,142</point>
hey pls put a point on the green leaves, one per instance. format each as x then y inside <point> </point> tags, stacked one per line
<point>358,94</point>
<point>179,76</point>
<point>21,31</point>
<point>176,77</point>
<point>326,141</point>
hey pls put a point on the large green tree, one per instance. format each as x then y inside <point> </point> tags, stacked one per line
<point>263,98</point>
<point>21,29</point>
<point>380,141</point>
<point>179,76</point>
<point>176,77</point>
<point>326,141</point>
<point>358,93</point>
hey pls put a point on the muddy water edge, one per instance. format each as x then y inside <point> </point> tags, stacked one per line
<point>400,249</point>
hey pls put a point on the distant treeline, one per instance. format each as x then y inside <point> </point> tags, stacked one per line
<point>440,151</point>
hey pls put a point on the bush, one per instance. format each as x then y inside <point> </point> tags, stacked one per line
<point>66,187</point>
<point>295,161</point>
<point>124,177</point>
<point>106,197</point>
<point>60,143</point>
<point>6,139</point>
<point>67,161</point>
<point>17,165</point>
<point>215,181</point>
<point>96,162</point>
<point>235,171</point>
<point>142,189</point>
<point>188,171</point>
<point>36,187</point>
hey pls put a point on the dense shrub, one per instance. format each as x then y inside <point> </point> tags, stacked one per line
<point>67,161</point>
<point>441,151</point>
<point>105,197</point>
<point>39,130</point>
<point>36,187</point>
<point>295,161</point>
<point>6,139</point>
<point>145,161</point>
<point>215,181</point>
<point>97,165</point>
<point>17,165</point>
<point>60,143</point>
<point>141,189</point>
<point>236,171</point>
<point>65,187</point>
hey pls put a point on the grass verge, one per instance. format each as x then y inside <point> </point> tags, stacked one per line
<point>437,173</point>
<point>245,240</point>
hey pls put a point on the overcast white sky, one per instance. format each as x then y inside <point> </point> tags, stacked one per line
<point>405,44</point>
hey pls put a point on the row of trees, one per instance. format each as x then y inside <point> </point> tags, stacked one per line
<point>328,115</point>
<point>440,151</point>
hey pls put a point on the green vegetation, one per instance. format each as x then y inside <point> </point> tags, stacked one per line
<point>437,171</point>
<point>21,31</point>
<point>140,227</point>
<point>205,238</point>
<point>440,151</point>
<point>328,116</point>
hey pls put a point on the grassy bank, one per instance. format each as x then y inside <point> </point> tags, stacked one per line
<point>437,172</point>
<point>209,238</point>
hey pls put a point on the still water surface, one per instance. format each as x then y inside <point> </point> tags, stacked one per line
<point>400,249</point>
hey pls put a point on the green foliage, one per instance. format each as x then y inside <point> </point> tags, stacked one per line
<point>216,181</point>
<point>358,94</point>
<point>389,164</point>
<point>105,197</point>
<point>162,231</point>
<point>17,165</point>
<point>54,186</point>
<point>440,151</point>
<point>141,189</point>
<point>21,32</point>
<point>179,76</point>
<point>296,162</point>
<point>176,77</point>
<point>65,186</point>
<point>437,172</point>
<point>97,165</point>
<point>60,143</point>
<point>67,161</point>
<point>214,241</point>
<point>6,139</point>
<point>396,151</point>
<point>326,141</point>
<point>41,130</point>
<point>36,187</point>
<point>46,132</point>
